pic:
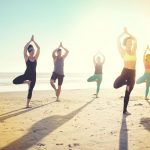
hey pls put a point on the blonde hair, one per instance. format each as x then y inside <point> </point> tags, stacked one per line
<point>147,57</point>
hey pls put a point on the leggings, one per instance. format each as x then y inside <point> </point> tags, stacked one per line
<point>22,78</point>
<point>144,78</point>
<point>98,79</point>
<point>127,77</point>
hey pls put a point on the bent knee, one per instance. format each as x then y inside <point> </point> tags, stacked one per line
<point>14,81</point>
<point>115,86</point>
<point>52,81</point>
<point>89,80</point>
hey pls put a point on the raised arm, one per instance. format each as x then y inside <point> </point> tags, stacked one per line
<point>38,48</point>
<point>25,51</point>
<point>66,50</point>
<point>54,53</point>
<point>147,48</point>
<point>103,58</point>
<point>120,48</point>
<point>94,61</point>
<point>134,39</point>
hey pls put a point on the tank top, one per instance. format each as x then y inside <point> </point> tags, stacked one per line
<point>59,66</point>
<point>98,68</point>
<point>31,68</point>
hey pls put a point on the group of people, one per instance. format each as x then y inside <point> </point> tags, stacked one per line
<point>127,50</point>
<point>29,76</point>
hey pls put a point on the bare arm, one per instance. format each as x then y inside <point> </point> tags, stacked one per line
<point>94,61</point>
<point>103,58</point>
<point>134,39</point>
<point>144,55</point>
<point>147,48</point>
<point>66,51</point>
<point>38,48</point>
<point>120,49</point>
<point>25,51</point>
<point>54,53</point>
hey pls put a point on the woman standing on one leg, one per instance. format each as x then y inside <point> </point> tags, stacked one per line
<point>127,77</point>
<point>58,72</point>
<point>97,77</point>
<point>29,76</point>
<point>146,76</point>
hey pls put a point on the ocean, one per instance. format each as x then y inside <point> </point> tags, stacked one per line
<point>71,81</point>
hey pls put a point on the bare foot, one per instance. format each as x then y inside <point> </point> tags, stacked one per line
<point>146,98</point>
<point>126,113</point>
<point>57,100</point>
<point>28,107</point>
<point>97,96</point>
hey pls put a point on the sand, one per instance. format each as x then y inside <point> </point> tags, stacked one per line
<point>78,122</point>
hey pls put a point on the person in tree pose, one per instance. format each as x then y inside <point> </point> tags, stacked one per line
<point>127,77</point>
<point>97,77</point>
<point>58,73</point>
<point>29,76</point>
<point>146,77</point>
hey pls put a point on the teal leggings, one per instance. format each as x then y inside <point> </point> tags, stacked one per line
<point>144,78</point>
<point>98,79</point>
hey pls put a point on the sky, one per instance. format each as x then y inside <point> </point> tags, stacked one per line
<point>83,26</point>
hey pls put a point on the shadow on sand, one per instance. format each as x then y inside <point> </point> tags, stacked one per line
<point>123,140</point>
<point>146,123</point>
<point>18,112</point>
<point>41,129</point>
<point>148,102</point>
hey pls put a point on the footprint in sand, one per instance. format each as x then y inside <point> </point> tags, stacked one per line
<point>74,145</point>
<point>91,135</point>
<point>41,144</point>
<point>59,144</point>
<point>69,145</point>
<point>138,104</point>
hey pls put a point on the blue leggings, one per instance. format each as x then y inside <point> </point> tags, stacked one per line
<point>145,78</point>
<point>98,79</point>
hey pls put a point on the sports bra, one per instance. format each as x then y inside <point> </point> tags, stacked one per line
<point>128,57</point>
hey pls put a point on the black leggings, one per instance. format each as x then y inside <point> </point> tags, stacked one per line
<point>22,78</point>
<point>127,77</point>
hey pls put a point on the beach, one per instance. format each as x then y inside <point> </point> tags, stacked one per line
<point>79,122</point>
